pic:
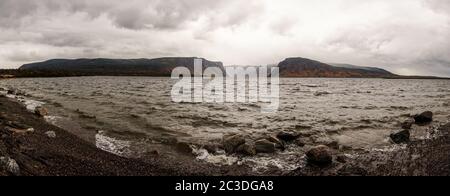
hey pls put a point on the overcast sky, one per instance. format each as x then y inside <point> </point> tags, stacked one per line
<point>403,36</point>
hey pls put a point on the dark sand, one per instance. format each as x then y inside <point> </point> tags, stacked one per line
<point>67,155</point>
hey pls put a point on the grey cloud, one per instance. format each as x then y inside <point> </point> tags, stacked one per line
<point>358,41</point>
<point>435,61</point>
<point>58,39</point>
<point>442,6</point>
<point>132,14</point>
<point>22,56</point>
<point>283,26</point>
<point>173,14</point>
<point>234,31</point>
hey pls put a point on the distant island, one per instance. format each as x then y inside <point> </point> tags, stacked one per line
<point>114,67</point>
<point>162,67</point>
<point>302,67</point>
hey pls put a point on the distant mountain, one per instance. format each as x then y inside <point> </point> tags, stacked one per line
<point>128,67</point>
<point>302,67</point>
<point>291,67</point>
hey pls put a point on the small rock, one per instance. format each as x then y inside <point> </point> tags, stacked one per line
<point>341,159</point>
<point>41,111</point>
<point>401,137</point>
<point>408,124</point>
<point>184,147</point>
<point>320,156</point>
<point>278,143</point>
<point>287,136</point>
<point>50,134</point>
<point>15,92</point>
<point>247,149</point>
<point>10,165</point>
<point>232,142</point>
<point>154,153</point>
<point>424,118</point>
<point>264,146</point>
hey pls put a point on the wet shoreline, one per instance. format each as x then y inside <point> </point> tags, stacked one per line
<point>35,153</point>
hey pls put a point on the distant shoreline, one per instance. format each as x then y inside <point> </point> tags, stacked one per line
<point>292,67</point>
<point>16,73</point>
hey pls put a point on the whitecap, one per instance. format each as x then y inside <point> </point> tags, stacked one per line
<point>221,159</point>
<point>31,105</point>
<point>263,163</point>
<point>392,148</point>
<point>11,96</point>
<point>52,119</point>
<point>112,145</point>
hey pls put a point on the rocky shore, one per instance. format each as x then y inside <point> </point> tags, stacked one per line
<point>424,157</point>
<point>29,146</point>
<point>427,155</point>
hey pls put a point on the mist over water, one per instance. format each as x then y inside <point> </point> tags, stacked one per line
<point>136,114</point>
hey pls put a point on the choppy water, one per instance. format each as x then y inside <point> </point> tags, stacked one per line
<point>133,115</point>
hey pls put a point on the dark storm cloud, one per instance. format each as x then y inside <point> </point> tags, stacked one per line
<point>131,14</point>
